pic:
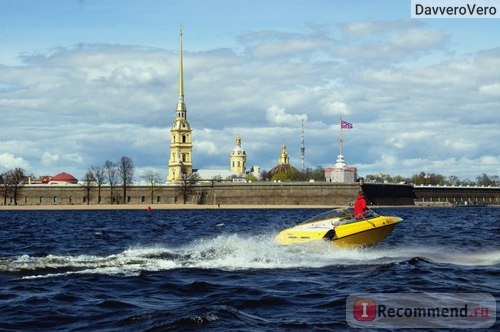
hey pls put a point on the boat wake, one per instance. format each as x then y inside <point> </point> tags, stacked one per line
<point>232,253</point>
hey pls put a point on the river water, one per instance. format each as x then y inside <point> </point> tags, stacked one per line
<point>182,270</point>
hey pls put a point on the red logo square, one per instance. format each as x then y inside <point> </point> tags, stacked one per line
<point>365,310</point>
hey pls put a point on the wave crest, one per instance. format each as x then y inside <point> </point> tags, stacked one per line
<point>233,252</point>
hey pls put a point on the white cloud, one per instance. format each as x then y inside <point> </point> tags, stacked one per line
<point>490,160</point>
<point>129,75</point>
<point>405,139</point>
<point>209,148</point>
<point>490,89</point>
<point>460,144</point>
<point>336,108</point>
<point>416,40</point>
<point>9,161</point>
<point>49,159</point>
<point>277,115</point>
<point>382,43</point>
<point>370,28</point>
<point>267,44</point>
<point>76,107</point>
<point>76,158</point>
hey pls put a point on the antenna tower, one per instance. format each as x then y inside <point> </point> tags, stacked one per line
<point>302,146</point>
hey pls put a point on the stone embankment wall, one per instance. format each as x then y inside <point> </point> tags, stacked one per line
<point>260,193</point>
<point>283,194</point>
<point>442,195</point>
<point>389,194</point>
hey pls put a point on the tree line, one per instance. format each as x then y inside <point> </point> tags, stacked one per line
<point>422,178</point>
<point>119,175</point>
<point>293,174</point>
<point>122,174</point>
<point>116,174</point>
<point>435,179</point>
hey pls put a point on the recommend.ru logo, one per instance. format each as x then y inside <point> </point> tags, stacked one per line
<point>421,310</point>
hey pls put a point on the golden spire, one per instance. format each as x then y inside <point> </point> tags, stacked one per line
<point>181,106</point>
<point>181,79</point>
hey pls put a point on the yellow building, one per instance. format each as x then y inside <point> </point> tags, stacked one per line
<point>181,147</point>
<point>238,158</point>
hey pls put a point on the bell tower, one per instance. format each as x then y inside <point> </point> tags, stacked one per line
<point>238,158</point>
<point>181,147</point>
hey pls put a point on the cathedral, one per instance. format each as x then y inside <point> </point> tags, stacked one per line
<point>180,164</point>
<point>181,148</point>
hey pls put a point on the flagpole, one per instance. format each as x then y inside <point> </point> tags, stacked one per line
<point>340,136</point>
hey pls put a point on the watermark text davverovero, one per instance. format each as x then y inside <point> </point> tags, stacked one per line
<point>455,9</point>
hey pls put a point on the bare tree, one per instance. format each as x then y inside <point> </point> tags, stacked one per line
<point>18,178</point>
<point>99,174</point>
<point>486,180</point>
<point>12,182</point>
<point>152,178</point>
<point>6,190</point>
<point>188,181</point>
<point>111,171</point>
<point>89,181</point>
<point>126,170</point>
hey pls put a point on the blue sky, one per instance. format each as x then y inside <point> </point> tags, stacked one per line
<point>82,82</point>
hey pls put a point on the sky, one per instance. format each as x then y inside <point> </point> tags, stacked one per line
<point>82,82</point>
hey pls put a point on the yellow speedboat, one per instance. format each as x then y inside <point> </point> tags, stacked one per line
<point>342,228</point>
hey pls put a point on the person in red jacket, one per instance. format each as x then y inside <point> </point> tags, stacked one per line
<point>360,206</point>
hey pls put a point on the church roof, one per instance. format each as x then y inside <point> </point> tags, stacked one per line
<point>283,168</point>
<point>64,177</point>
<point>238,150</point>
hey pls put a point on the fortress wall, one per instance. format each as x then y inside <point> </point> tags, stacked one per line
<point>457,195</point>
<point>261,193</point>
<point>258,193</point>
<point>389,194</point>
<point>284,194</point>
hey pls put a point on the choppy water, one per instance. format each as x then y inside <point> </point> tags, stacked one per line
<point>221,270</point>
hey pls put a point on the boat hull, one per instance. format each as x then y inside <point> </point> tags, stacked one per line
<point>366,237</point>
<point>345,235</point>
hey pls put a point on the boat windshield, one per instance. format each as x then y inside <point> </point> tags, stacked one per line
<point>346,213</point>
<point>368,214</point>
